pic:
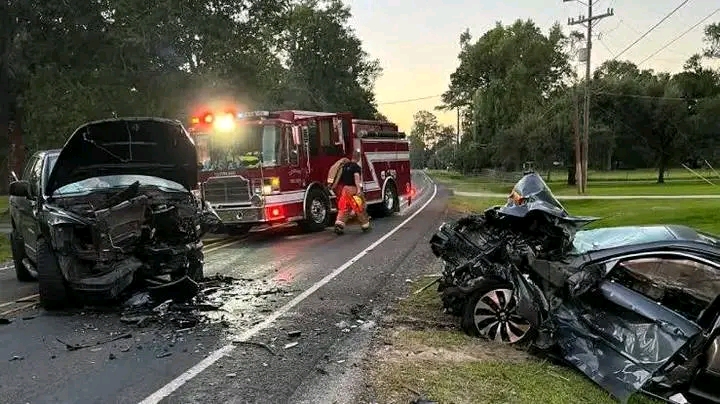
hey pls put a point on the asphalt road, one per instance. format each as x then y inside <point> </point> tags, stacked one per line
<point>327,287</point>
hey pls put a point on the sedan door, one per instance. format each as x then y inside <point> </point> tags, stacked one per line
<point>638,317</point>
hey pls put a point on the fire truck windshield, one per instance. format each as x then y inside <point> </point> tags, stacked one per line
<point>245,147</point>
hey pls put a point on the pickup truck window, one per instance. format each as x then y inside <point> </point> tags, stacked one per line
<point>28,168</point>
<point>34,178</point>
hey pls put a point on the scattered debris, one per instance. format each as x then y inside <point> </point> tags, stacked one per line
<point>163,355</point>
<point>294,334</point>
<point>111,356</point>
<point>17,358</point>
<point>290,345</point>
<point>75,347</point>
<point>231,375</point>
<point>257,344</point>
<point>5,321</point>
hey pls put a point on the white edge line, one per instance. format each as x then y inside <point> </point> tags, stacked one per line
<point>189,374</point>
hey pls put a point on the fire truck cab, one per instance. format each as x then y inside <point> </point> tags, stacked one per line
<point>265,168</point>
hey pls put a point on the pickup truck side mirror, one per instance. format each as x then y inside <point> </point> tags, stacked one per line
<point>20,188</point>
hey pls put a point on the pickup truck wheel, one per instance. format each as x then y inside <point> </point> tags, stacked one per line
<point>196,262</point>
<point>18,253</point>
<point>317,212</point>
<point>53,290</point>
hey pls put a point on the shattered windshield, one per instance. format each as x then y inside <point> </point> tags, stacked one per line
<point>245,147</point>
<point>115,181</point>
<point>609,237</point>
<point>532,188</point>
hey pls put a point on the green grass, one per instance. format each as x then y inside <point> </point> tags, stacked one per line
<point>702,214</point>
<point>449,367</point>
<point>686,186</point>
<point>673,174</point>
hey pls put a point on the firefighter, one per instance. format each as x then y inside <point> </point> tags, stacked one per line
<point>350,182</point>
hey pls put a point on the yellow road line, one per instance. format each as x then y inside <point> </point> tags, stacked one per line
<point>20,308</point>
<point>20,300</point>
<point>228,244</point>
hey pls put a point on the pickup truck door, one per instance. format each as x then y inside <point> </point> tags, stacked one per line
<point>27,208</point>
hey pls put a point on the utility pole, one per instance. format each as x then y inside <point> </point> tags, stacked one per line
<point>588,22</point>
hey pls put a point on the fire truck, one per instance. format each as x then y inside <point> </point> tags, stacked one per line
<point>262,168</point>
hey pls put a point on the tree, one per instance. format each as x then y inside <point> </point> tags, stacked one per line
<point>508,71</point>
<point>327,69</point>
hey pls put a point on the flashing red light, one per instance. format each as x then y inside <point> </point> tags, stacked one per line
<point>208,118</point>
<point>275,212</point>
<point>195,120</point>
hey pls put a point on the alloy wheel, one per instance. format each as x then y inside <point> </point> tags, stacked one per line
<point>496,318</point>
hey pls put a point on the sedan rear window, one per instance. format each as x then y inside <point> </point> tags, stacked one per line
<point>610,237</point>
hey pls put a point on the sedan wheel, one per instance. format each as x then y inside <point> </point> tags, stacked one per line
<point>495,317</point>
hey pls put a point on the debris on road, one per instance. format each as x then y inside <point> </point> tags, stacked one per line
<point>257,344</point>
<point>5,321</point>
<point>290,345</point>
<point>294,334</point>
<point>75,347</point>
<point>635,308</point>
<point>16,358</point>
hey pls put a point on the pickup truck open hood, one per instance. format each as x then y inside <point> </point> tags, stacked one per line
<point>127,146</point>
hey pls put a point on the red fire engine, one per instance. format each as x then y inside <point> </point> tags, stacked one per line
<point>266,168</point>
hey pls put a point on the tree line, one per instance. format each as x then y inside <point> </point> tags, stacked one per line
<point>521,101</point>
<point>63,63</point>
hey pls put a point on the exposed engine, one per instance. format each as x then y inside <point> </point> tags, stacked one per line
<point>155,232</point>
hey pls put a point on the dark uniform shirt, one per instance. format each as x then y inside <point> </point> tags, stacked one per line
<point>347,174</point>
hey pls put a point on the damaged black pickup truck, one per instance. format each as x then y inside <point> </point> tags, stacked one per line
<point>635,308</point>
<point>113,207</point>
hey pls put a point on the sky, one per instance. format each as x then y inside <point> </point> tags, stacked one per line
<point>417,41</point>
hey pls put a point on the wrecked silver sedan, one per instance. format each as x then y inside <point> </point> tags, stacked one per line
<point>113,207</point>
<point>634,308</point>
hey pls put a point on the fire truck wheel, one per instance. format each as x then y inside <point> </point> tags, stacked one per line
<point>390,201</point>
<point>317,211</point>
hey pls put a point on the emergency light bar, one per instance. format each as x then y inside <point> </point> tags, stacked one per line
<point>252,114</point>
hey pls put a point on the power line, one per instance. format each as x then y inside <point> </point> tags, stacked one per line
<point>652,28</point>
<point>648,97</point>
<point>411,100</point>
<point>678,37</point>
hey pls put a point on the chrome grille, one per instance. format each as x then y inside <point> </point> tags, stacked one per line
<point>227,190</point>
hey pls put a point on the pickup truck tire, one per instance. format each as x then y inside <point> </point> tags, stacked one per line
<point>18,253</point>
<point>196,262</point>
<point>317,211</point>
<point>53,288</point>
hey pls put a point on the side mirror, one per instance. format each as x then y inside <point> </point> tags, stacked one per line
<point>20,188</point>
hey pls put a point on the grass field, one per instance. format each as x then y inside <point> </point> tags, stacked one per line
<point>674,174</point>
<point>703,214</point>
<point>686,186</point>
<point>424,352</point>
